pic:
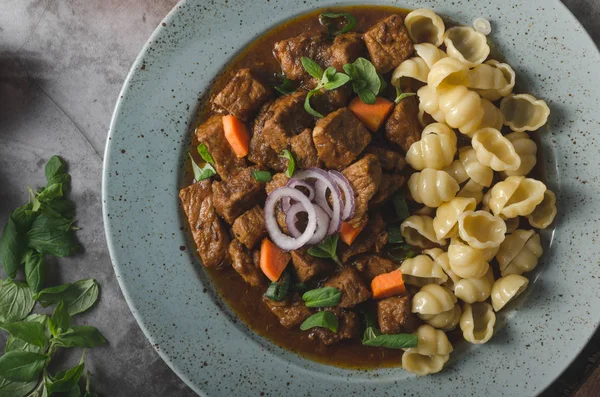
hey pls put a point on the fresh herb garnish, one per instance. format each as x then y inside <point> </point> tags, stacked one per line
<point>327,19</point>
<point>323,319</point>
<point>286,154</point>
<point>328,80</point>
<point>327,249</point>
<point>204,153</point>
<point>401,95</point>
<point>400,206</point>
<point>78,297</point>
<point>287,86</point>
<point>366,82</point>
<point>394,236</point>
<point>322,297</point>
<point>279,289</point>
<point>399,252</point>
<point>373,336</point>
<point>201,173</point>
<point>262,176</point>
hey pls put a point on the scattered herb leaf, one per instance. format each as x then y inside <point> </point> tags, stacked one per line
<point>365,80</point>
<point>400,206</point>
<point>287,86</point>
<point>16,301</point>
<point>27,331</point>
<point>394,236</point>
<point>401,95</point>
<point>328,80</point>
<point>327,19</point>
<point>202,173</point>
<point>308,108</point>
<point>82,336</point>
<point>21,366</point>
<point>391,341</point>
<point>286,154</point>
<point>322,297</point>
<point>262,176</point>
<point>312,68</point>
<point>323,319</point>
<point>35,271</point>
<point>204,153</point>
<point>278,290</point>
<point>327,249</point>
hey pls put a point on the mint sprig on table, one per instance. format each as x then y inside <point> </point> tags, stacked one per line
<point>43,227</point>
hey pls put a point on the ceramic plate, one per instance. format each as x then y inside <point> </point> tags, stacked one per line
<point>199,337</point>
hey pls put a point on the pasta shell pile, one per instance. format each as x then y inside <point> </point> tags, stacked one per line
<point>475,196</point>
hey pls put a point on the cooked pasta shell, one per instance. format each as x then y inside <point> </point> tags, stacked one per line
<point>473,190</point>
<point>512,224</point>
<point>479,173</point>
<point>422,270</point>
<point>516,196</point>
<point>523,112</point>
<point>492,117</point>
<point>509,76</point>
<point>421,365</point>
<point>447,71</point>
<point>441,257</point>
<point>445,321</point>
<point>543,215</point>
<point>466,261</point>
<point>429,53</point>
<point>519,253</point>
<point>433,299</point>
<point>430,103</point>
<point>477,322</point>
<point>432,187</point>
<point>480,229</point>
<point>445,223</point>
<point>495,151</point>
<point>457,171</point>
<point>485,77</point>
<point>431,341</point>
<point>472,290</point>
<point>425,26</point>
<point>435,149</point>
<point>466,45</point>
<point>414,68</point>
<point>461,107</point>
<point>526,149</point>
<point>417,230</point>
<point>506,289</point>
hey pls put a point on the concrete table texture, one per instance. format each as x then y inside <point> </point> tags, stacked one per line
<point>62,64</point>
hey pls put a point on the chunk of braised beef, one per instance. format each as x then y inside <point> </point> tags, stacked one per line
<point>211,133</point>
<point>348,327</point>
<point>390,160</point>
<point>364,177</point>
<point>329,101</point>
<point>304,150</point>
<point>307,266</point>
<point>259,151</point>
<point>371,266</point>
<point>402,127</point>
<point>371,239</point>
<point>352,286</point>
<point>388,43</point>
<point>284,119</point>
<point>249,228</point>
<point>208,230</point>
<point>289,53</point>
<point>243,95</point>
<point>346,48</point>
<point>243,263</point>
<point>291,312</point>
<point>339,138</point>
<point>395,316</point>
<point>390,184</point>
<point>234,197</point>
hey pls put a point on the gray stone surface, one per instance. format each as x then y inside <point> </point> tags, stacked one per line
<point>62,64</point>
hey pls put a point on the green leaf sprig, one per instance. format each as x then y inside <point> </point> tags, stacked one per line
<point>374,338</point>
<point>204,172</point>
<point>278,290</point>
<point>401,95</point>
<point>323,319</point>
<point>328,19</point>
<point>327,249</point>
<point>291,168</point>
<point>330,79</point>
<point>262,176</point>
<point>322,297</point>
<point>287,86</point>
<point>366,82</point>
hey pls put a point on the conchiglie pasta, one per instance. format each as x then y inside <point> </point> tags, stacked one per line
<point>506,289</point>
<point>495,151</point>
<point>432,187</point>
<point>417,230</point>
<point>485,77</point>
<point>414,68</point>
<point>429,53</point>
<point>479,173</point>
<point>461,107</point>
<point>523,112</point>
<point>472,290</point>
<point>446,321</point>
<point>466,45</point>
<point>436,149</point>
<point>422,270</point>
<point>519,253</point>
<point>447,71</point>
<point>512,224</point>
<point>433,299</point>
<point>425,210</point>
<point>526,150</point>
<point>429,102</point>
<point>425,26</point>
<point>466,261</point>
<point>492,117</point>
<point>543,215</point>
<point>473,190</point>
<point>421,365</point>
<point>431,342</point>
<point>457,171</point>
<point>477,322</point>
<point>481,229</point>
<point>445,223</point>
<point>516,196</point>
<point>441,257</point>
<point>509,76</point>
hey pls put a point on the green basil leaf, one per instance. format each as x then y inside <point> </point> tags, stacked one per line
<point>203,151</point>
<point>319,252</point>
<point>323,319</point>
<point>16,301</point>
<point>65,381</point>
<point>82,336</point>
<point>81,295</point>
<point>312,68</point>
<point>309,108</point>
<point>262,176</point>
<point>27,331</point>
<point>394,236</point>
<point>55,166</point>
<point>202,173</point>
<point>287,86</point>
<point>13,343</point>
<point>338,80</point>
<point>60,321</point>
<point>20,366</point>
<point>35,271</point>
<point>393,341</point>
<point>328,75</point>
<point>367,72</point>
<point>370,320</point>
<point>286,154</point>
<point>370,334</point>
<point>278,290</point>
<point>51,295</point>
<point>400,206</point>
<point>326,17</point>
<point>13,242</point>
<point>50,193</point>
<point>322,297</point>
<point>63,207</point>
<point>327,249</point>
<point>9,388</point>
<point>410,254</point>
<point>401,95</point>
<point>350,70</point>
<point>52,234</point>
<point>367,96</point>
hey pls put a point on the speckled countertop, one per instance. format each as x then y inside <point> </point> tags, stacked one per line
<point>62,64</point>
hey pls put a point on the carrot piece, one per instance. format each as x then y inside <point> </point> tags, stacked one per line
<point>372,116</point>
<point>272,260</point>
<point>348,233</point>
<point>388,284</point>
<point>237,135</point>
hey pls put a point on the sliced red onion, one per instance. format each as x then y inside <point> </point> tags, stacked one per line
<point>344,185</point>
<point>294,182</point>
<point>323,183</point>
<point>322,223</point>
<point>280,239</point>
